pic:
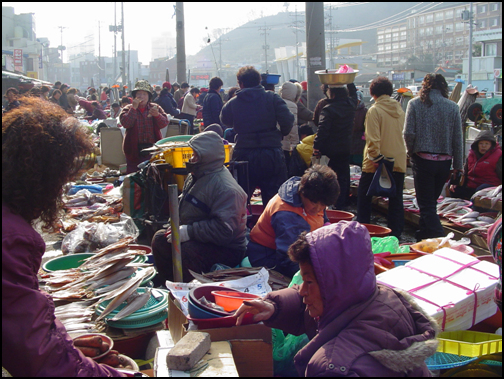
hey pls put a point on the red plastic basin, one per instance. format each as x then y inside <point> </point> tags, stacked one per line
<point>231,300</point>
<point>377,230</point>
<point>336,216</point>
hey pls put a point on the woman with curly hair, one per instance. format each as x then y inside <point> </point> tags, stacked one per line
<point>433,135</point>
<point>41,151</point>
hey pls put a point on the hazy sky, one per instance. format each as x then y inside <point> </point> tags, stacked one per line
<point>142,21</point>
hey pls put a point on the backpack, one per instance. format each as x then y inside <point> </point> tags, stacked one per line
<point>181,101</point>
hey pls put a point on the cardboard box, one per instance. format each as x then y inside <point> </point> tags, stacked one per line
<point>251,344</point>
<point>111,147</point>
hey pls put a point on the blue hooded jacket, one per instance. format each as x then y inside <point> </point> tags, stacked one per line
<point>287,227</point>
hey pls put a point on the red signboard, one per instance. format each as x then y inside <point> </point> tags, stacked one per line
<point>18,57</point>
<point>200,77</point>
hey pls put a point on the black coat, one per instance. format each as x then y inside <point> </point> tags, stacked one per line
<point>334,135</point>
<point>254,113</point>
<point>167,102</point>
<point>212,106</point>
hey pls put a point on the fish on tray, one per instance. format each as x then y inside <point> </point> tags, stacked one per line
<point>135,302</point>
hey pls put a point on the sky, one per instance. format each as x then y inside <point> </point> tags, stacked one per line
<point>142,21</point>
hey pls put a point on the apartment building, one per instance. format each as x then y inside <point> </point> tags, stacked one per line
<point>438,33</point>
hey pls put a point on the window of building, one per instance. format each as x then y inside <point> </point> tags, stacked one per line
<point>494,21</point>
<point>421,20</point>
<point>459,26</point>
<point>421,32</point>
<point>448,41</point>
<point>429,31</point>
<point>439,16</point>
<point>449,55</point>
<point>439,29</point>
<point>387,47</point>
<point>459,41</point>
<point>429,18</point>
<point>381,38</point>
<point>448,28</point>
<point>395,46</point>
<point>482,23</point>
<point>403,45</point>
<point>380,48</point>
<point>388,39</point>
<point>412,22</point>
<point>491,50</point>
<point>381,31</point>
<point>448,15</point>
<point>482,9</point>
<point>439,42</point>
<point>494,7</point>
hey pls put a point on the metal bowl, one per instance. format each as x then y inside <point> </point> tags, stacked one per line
<point>332,77</point>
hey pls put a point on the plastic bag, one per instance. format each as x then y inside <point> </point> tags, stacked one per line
<point>383,183</point>
<point>345,69</point>
<point>89,236</point>
<point>285,347</point>
<point>385,244</point>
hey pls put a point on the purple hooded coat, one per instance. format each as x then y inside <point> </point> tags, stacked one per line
<point>365,329</point>
<point>34,341</point>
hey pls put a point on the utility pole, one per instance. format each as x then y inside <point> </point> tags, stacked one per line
<point>265,46</point>
<point>181,55</point>
<point>123,77</point>
<point>296,29</point>
<point>115,42</point>
<point>331,47</point>
<point>469,77</point>
<point>467,16</point>
<point>61,47</point>
<point>315,49</point>
<point>99,54</point>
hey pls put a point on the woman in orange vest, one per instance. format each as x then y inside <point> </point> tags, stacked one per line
<point>298,206</point>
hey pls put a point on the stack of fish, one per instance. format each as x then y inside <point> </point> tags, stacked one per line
<point>492,193</point>
<point>109,274</point>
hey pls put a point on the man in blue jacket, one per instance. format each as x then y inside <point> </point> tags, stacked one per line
<point>254,113</point>
<point>212,103</point>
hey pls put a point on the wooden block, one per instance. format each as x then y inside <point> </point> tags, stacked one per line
<point>188,351</point>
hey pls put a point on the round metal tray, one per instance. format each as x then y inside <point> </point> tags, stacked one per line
<point>332,77</point>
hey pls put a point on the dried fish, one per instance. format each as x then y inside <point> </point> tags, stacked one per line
<point>134,303</point>
<point>111,287</point>
<point>126,291</point>
<point>112,278</point>
<point>121,244</point>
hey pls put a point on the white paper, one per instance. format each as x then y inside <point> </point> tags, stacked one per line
<point>256,284</point>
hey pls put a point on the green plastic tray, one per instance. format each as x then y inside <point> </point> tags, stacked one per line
<point>75,260</point>
<point>151,313</point>
<point>66,262</point>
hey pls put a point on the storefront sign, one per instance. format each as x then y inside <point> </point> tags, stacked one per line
<point>200,77</point>
<point>18,57</point>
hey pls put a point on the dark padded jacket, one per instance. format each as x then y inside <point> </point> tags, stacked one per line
<point>334,135</point>
<point>254,113</point>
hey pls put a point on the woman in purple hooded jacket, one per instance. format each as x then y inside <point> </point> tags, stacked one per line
<point>41,147</point>
<point>355,327</point>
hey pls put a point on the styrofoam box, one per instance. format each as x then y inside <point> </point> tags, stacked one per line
<point>458,302</point>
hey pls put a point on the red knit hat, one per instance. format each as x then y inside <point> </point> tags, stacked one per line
<point>304,84</point>
<point>167,85</point>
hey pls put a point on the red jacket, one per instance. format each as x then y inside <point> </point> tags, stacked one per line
<point>136,122</point>
<point>483,170</point>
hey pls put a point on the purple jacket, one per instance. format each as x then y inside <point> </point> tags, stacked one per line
<point>365,330</point>
<point>34,342</point>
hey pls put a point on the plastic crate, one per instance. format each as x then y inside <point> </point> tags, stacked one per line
<point>178,156</point>
<point>468,343</point>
